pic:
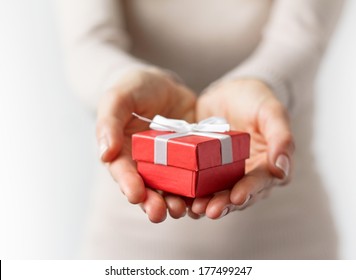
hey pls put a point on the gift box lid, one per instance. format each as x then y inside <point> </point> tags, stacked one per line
<point>191,152</point>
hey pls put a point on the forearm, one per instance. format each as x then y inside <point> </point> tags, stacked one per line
<point>96,45</point>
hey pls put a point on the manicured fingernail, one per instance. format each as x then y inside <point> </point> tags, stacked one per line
<point>227,210</point>
<point>224,212</point>
<point>103,146</point>
<point>283,164</point>
<point>243,205</point>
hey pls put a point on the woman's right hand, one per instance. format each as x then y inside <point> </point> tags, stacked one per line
<point>148,93</point>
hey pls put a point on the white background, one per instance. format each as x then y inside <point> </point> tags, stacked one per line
<point>47,158</point>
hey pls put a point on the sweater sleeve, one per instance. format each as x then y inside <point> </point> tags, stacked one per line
<point>292,45</point>
<point>96,45</point>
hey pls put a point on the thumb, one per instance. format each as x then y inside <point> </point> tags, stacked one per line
<point>114,113</point>
<point>274,125</point>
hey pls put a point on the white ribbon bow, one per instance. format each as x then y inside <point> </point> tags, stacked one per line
<point>212,124</point>
<point>206,128</point>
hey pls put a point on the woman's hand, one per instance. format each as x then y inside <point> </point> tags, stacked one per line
<point>147,93</point>
<point>249,105</point>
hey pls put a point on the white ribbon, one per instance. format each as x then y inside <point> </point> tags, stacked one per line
<point>182,128</point>
<point>213,124</point>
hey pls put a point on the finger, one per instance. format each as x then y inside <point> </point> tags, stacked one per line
<point>189,202</point>
<point>253,199</point>
<point>193,215</point>
<point>251,184</point>
<point>176,206</point>
<point>183,96</point>
<point>114,113</point>
<point>124,171</point>
<point>155,207</point>
<point>203,107</point>
<point>219,205</point>
<point>199,205</point>
<point>274,125</point>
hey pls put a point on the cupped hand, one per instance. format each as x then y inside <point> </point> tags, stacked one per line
<point>146,92</point>
<point>249,105</point>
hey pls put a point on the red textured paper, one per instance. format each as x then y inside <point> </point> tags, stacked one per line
<point>190,152</point>
<point>188,182</point>
<point>193,165</point>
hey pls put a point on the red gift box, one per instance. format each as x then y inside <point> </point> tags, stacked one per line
<point>194,164</point>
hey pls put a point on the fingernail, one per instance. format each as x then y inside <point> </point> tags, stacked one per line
<point>194,215</point>
<point>227,210</point>
<point>103,146</point>
<point>243,205</point>
<point>283,164</point>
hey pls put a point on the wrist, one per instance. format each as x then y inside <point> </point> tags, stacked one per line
<point>278,84</point>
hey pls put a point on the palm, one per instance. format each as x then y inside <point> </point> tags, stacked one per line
<point>247,106</point>
<point>146,94</point>
<point>242,116</point>
<point>177,104</point>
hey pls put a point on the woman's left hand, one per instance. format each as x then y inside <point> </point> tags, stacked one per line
<point>251,106</point>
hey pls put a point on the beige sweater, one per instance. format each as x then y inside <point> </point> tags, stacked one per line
<point>280,42</point>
